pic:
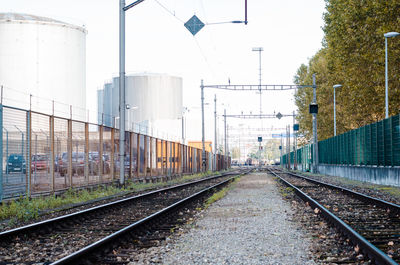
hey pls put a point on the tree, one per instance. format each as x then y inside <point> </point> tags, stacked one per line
<point>271,149</point>
<point>353,55</point>
<point>304,96</point>
<point>235,152</point>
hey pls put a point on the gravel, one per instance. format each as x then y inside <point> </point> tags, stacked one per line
<point>383,192</point>
<point>251,225</point>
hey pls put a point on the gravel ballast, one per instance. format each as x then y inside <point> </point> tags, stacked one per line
<point>250,225</point>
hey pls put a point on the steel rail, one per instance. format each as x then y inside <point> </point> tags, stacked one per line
<point>375,254</point>
<point>87,251</point>
<point>366,198</point>
<point>87,212</point>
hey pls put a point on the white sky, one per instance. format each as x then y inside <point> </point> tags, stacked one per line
<point>156,41</point>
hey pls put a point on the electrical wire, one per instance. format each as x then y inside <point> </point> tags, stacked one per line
<point>169,11</point>
<point>205,58</point>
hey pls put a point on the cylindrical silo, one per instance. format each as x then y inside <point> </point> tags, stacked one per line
<point>155,101</point>
<point>156,96</point>
<point>43,57</point>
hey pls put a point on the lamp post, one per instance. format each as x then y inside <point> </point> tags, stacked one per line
<point>387,35</point>
<point>334,107</point>
<point>130,108</point>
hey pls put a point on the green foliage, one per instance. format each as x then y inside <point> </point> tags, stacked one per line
<point>235,152</point>
<point>354,56</point>
<point>271,149</point>
<point>220,194</point>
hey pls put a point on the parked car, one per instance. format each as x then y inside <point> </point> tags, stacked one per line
<point>16,163</point>
<point>126,164</point>
<point>39,162</point>
<point>94,163</point>
<point>78,163</point>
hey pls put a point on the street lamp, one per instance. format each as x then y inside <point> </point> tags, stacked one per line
<point>387,35</point>
<point>184,110</point>
<point>334,107</point>
<point>130,108</point>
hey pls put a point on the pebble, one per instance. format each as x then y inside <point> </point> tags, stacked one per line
<point>248,226</point>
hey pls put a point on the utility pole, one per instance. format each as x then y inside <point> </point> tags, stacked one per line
<point>281,149</point>
<point>203,154</point>
<point>315,136</point>
<point>225,131</point>
<point>288,144</point>
<point>259,50</point>
<point>121,92</point>
<point>215,132</point>
<point>294,143</point>
<point>122,105</point>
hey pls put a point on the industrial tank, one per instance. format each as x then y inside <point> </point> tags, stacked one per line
<point>155,101</point>
<point>43,57</point>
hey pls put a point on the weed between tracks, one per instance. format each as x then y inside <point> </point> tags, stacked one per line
<point>286,192</point>
<point>24,208</point>
<point>220,194</point>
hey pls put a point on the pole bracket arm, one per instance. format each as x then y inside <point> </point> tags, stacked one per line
<point>132,5</point>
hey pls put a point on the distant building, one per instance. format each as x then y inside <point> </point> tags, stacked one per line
<point>199,144</point>
<point>155,104</point>
<point>43,57</point>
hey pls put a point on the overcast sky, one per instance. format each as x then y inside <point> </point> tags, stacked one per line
<point>157,42</point>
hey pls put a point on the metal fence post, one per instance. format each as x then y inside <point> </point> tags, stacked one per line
<point>131,139</point>
<point>101,163</point>
<point>28,174</point>
<point>1,148</point>
<point>52,154</point>
<point>162,156</point>
<point>112,155</point>
<point>86,170</point>
<point>69,150</point>
<point>150,155</point>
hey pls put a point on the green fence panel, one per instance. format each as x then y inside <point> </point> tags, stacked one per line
<point>367,145</point>
<point>374,144</point>
<point>396,140</point>
<point>381,143</point>
<point>347,147</point>
<point>342,154</point>
<point>387,143</point>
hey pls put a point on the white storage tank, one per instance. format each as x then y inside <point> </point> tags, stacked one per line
<point>155,101</point>
<point>43,57</point>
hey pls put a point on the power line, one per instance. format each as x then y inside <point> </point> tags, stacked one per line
<point>169,11</point>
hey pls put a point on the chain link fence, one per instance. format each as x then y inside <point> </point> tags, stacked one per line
<point>44,154</point>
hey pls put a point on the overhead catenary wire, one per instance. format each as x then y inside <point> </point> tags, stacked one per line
<point>172,13</point>
<point>169,11</point>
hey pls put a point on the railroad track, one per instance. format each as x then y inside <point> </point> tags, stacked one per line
<point>54,239</point>
<point>371,224</point>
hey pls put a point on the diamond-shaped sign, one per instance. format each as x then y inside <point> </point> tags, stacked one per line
<point>194,25</point>
<point>279,115</point>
